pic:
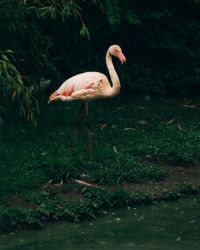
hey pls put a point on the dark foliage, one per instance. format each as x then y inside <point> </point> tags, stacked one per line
<point>159,38</point>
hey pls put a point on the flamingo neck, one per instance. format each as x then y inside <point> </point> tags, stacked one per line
<point>115,89</point>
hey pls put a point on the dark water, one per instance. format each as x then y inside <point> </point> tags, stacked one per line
<point>171,225</point>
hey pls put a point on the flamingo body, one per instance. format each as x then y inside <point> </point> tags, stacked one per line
<point>89,86</point>
<point>85,86</point>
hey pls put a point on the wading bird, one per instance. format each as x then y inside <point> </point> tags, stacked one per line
<point>89,86</point>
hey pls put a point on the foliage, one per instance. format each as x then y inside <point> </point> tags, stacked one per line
<point>23,25</point>
<point>161,41</point>
<point>112,172</point>
<point>180,191</point>
<point>152,130</point>
<point>12,87</point>
<point>48,208</point>
<point>159,38</point>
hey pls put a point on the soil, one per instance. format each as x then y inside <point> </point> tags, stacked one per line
<point>177,175</point>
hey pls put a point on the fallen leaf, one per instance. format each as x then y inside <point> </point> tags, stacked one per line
<point>44,153</point>
<point>170,121</point>
<point>142,122</point>
<point>189,106</point>
<point>58,184</point>
<point>115,150</point>
<point>83,190</point>
<point>103,126</point>
<point>141,107</point>
<point>179,126</point>
<point>87,184</point>
<point>129,128</point>
<point>48,183</point>
<point>122,107</point>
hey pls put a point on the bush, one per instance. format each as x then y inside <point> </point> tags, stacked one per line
<point>159,38</point>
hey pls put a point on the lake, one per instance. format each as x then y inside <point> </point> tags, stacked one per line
<point>165,225</point>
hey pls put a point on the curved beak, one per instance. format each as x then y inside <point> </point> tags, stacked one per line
<point>52,97</point>
<point>121,57</point>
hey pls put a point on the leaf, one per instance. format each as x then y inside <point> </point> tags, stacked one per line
<point>121,107</point>
<point>142,107</point>
<point>132,18</point>
<point>87,32</point>
<point>48,183</point>
<point>170,121</point>
<point>13,96</point>
<point>9,51</point>
<point>102,126</point>
<point>22,110</point>
<point>142,122</point>
<point>5,58</point>
<point>115,150</point>
<point>44,11</point>
<point>28,116</point>
<point>2,109</point>
<point>129,128</point>
<point>189,106</point>
<point>82,31</point>
<point>37,106</point>
<point>113,12</point>
<point>179,126</point>
<point>87,184</point>
<point>58,184</point>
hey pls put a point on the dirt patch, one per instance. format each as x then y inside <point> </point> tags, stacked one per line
<point>71,196</point>
<point>16,201</point>
<point>177,176</point>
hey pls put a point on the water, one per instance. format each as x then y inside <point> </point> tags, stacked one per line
<point>171,225</point>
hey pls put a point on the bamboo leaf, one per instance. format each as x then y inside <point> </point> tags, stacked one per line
<point>37,106</point>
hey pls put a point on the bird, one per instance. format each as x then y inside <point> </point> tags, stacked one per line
<point>89,86</point>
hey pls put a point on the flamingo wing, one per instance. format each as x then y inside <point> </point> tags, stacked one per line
<point>87,85</point>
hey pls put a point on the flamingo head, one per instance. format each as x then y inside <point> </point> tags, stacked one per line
<point>116,51</point>
<point>56,97</point>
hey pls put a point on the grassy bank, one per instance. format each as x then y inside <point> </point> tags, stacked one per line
<point>140,145</point>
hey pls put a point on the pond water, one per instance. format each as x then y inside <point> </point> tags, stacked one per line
<point>165,225</point>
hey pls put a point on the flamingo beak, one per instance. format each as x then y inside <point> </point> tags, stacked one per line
<point>52,97</point>
<point>121,57</point>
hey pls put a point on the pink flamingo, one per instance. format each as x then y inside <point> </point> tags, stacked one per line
<point>89,86</point>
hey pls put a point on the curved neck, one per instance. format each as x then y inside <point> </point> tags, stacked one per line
<point>115,89</point>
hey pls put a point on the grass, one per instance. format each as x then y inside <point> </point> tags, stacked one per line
<point>130,136</point>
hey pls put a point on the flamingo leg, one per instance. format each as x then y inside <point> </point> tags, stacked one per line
<point>76,127</point>
<point>88,129</point>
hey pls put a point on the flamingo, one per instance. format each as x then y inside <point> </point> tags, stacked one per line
<point>89,86</point>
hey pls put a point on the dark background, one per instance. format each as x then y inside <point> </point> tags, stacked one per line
<point>53,40</point>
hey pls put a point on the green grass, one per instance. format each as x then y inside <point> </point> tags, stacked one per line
<point>137,133</point>
<point>29,156</point>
